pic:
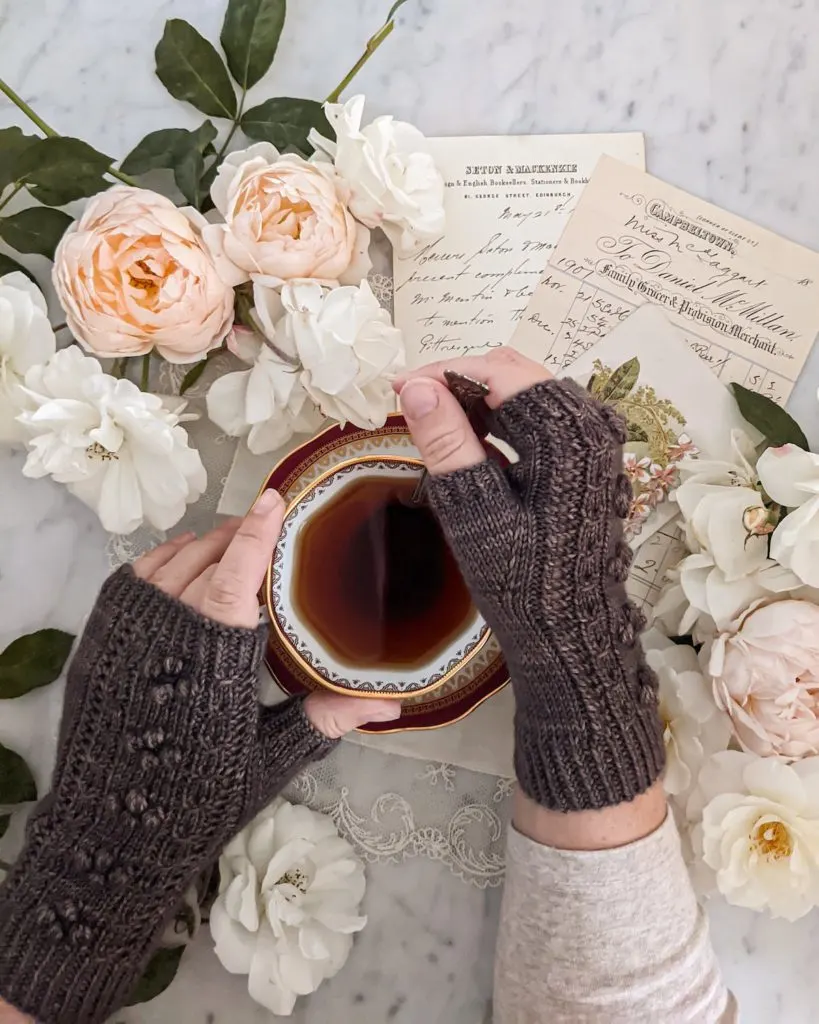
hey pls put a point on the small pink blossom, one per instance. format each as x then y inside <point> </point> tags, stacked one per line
<point>684,448</point>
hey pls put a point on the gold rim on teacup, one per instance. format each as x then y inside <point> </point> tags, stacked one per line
<point>296,655</point>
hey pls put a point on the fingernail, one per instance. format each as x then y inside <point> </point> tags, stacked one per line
<point>418,399</point>
<point>183,538</point>
<point>268,501</point>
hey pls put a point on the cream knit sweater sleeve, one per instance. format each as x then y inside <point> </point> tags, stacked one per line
<point>605,937</point>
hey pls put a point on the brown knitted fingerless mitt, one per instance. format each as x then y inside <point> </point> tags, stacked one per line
<point>541,546</point>
<point>164,754</point>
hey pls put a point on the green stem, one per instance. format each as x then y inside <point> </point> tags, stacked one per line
<point>17,186</point>
<point>118,368</point>
<point>145,378</point>
<point>47,130</point>
<point>21,103</point>
<point>372,45</point>
<point>233,129</point>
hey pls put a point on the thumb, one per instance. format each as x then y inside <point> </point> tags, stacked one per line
<point>334,715</point>
<point>439,427</point>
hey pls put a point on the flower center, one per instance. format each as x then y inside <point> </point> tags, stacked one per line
<point>147,280</point>
<point>296,878</point>
<point>772,840</point>
<point>96,451</point>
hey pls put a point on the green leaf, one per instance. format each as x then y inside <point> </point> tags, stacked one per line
<point>192,376</point>
<point>10,266</point>
<point>250,36</point>
<point>636,433</point>
<point>286,122</point>
<point>620,383</point>
<point>191,70</point>
<point>5,821</point>
<point>158,975</point>
<point>189,169</point>
<point>16,781</point>
<point>770,419</point>
<point>13,143</point>
<point>58,170</point>
<point>33,661</point>
<point>36,230</point>
<point>181,151</point>
<point>156,151</point>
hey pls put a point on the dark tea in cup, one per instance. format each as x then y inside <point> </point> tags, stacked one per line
<point>374,577</point>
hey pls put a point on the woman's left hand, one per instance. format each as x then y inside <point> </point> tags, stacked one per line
<point>220,575</point>
<point>165,753</point>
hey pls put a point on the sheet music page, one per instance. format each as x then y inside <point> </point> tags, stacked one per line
<point>507,199</point>
<point>747,301</point>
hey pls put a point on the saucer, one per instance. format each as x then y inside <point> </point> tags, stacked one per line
<point>485,673</point>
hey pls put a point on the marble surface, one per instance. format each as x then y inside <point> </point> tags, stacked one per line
<point>728,96</point>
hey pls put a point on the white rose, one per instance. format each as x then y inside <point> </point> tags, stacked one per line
<point>289,895</point>
<point>739,472</point>
<point>694,727</point>
<point>285,219</point>
<point>26,339</point>
<point>759,831</point>
<point>119,450</point>
<point>393,181</point>
<point>345,343</point>
<point>268,402</point>
<point>728,523</point>
<point>791,477</point>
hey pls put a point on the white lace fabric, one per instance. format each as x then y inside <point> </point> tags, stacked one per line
<point>394,809</point>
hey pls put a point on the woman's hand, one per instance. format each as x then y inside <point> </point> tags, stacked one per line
<point>220,575</point>
<point>165,753</point>
<point>541,547</point>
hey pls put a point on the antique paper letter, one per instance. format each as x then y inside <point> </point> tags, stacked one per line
<point>746,300</point>
<point>507,201</point>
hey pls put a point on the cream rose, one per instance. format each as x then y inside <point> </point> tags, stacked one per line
<point>758,836</point>
<point>767,677</point>
<point>285,219</point>
<point>133,275</point>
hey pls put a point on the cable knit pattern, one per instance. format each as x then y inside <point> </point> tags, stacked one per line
<point>164,754</point>
<point>541,547</point>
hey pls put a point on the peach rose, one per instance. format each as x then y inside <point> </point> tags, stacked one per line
<point>767,677</point>
<point>133,274</point>
<point>285,219</point>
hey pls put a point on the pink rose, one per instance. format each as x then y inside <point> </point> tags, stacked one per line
<point>285,219</point>
<point>767,677</point>
<point>133,274</point>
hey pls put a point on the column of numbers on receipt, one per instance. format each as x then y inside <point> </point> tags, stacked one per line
<point>594,313</point>
<point>591,316</point>
<point>652,560</point>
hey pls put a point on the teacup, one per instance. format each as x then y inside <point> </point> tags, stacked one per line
<point>363,590</point>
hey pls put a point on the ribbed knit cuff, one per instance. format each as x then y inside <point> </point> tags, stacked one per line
<point>577,770</point>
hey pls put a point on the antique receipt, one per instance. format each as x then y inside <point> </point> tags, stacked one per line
<point>746,300</point>
<point>507,201</point>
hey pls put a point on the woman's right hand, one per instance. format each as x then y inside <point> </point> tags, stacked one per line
<point>541,546</point>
